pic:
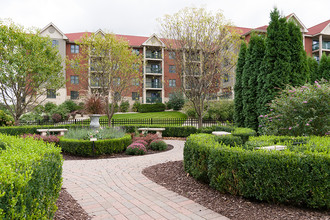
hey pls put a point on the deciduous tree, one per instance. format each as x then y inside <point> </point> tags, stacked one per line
<point>29,65</point>
<point>206,46</point>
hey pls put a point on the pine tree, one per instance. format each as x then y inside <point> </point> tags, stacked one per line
<point>299,74</point>
<point>312,68</point>
<point>324,68</point>
<point>254,58</point>
<point>238,114</point>
<point>276,63</point>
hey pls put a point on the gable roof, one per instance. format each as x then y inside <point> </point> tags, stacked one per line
<point>56,28</point>
<point>318,28</point>
<point>242,30</point>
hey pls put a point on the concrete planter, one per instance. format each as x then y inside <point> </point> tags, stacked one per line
<point>95,121</point>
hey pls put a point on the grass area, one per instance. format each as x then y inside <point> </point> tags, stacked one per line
<point>153,115</point>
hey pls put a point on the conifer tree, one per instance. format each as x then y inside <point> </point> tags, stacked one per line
<point>324,68</point>
<point>312,69</point>
<point>238,114</point>
<point>276,63</point>
<point>299,74</point>
<point>254,58</point>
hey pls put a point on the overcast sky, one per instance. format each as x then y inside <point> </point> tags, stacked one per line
<point>138,17</point>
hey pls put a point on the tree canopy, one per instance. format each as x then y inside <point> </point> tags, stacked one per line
<point>29,65</point>
<point>206,46</point>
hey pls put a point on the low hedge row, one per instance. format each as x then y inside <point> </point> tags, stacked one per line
<point>170,131</point>
<point>157,107</point>
<point>86,148</point>
<point>30,177</point>
<point>298,178</point>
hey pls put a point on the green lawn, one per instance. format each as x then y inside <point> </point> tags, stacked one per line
<point>153,115</point>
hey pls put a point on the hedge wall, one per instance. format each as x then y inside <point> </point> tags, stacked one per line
<point>30,177</point>
<point>300,178</point>
<point>170,131</point>
<point>85,147</point>
<point>157,107</point>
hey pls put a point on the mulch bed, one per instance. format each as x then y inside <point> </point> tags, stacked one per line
<point>172,176</point>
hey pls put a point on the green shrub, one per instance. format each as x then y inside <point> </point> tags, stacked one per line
<point>291,177</point>
<point>71,105</point>
<point>209,130</point>
<point>170,131</point>
<point>30,177</point>
<point>229,140</point>
<point>85,147</point>
<point>299,111</point>
<point>176,101</point>
<point>61,110</point>
<point>158,145</point>
<point>5,119</point>
<point>124,106</point>
<point>168,105</point>
<point>136,149</point>
<point>157,107</point>
<point>244,133</point>
<point>49,107</point>
<point>136,106</point>
<point>31,116</point>
<point>141,142</point>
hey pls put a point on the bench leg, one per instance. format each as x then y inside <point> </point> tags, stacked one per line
<point>62,133</point>
<point>159,134</point>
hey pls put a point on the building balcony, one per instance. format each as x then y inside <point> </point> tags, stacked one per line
<point>150,100</point>
<point>153,70</point>
<point>153,54</point>
<point>153,85</point>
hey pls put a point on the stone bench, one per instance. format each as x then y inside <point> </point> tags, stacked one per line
<point>220,133</point>
<point>158,130</point>
<point>275,147</point>
<point>44,131</point>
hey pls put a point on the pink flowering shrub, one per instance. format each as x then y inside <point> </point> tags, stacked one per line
<point>300,111</point>
<point>49,138</point>
<point>158,145</point>
<point>136,149</point>
<point>148,138</point>
<point>142,142</point>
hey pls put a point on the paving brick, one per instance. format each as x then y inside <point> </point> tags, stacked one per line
<point>117,189</point>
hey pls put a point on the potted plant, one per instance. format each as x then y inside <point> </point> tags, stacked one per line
<point>94,105</point>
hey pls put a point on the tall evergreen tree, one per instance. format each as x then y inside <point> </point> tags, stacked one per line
<point>238,114</point>
<point>254,58</point>
<point>299,74</point>
<point>324,68</point>
<point>312,69</point>
<point>276,63</point>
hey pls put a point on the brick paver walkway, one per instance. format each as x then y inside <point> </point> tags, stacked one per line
<point>116,189</point>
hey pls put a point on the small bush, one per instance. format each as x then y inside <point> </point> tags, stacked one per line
<point>157,107</point>
<point>136,149</point>
<point>136,105</point>
<point>56,117</point>
<point>176,101</point>
<point>147,138</point>
<point>5,119</point>
<point>124,106</point>
<point>62,111</point>
<point>116,109</point>
<point>229,140</point>
<point>48,138</point>
<point>244,133</point>
<point>71,105</point>
<point>142,142</point>
<point>158,145</point>
<point>49,107</point>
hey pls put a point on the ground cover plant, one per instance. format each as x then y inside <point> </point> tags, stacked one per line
<point>101,134</point>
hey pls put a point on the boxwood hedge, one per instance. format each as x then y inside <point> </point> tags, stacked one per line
<point>86,148</point>
<point>30,177</point>
<point>300,178</point>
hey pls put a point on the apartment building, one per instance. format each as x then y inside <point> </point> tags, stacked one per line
<point>159,72</point>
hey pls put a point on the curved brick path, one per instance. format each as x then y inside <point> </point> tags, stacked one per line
<point>116,189</point>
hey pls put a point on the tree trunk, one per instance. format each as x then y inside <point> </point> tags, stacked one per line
<point>200,121</point>
<point>109,111</point>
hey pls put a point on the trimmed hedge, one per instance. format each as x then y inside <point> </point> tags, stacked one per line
<point>244,133</point>
<point>170,131</point>
<point>157,107</point>
<point>298,178</point>
<point>230,140</point>
<point>30,177</point>
<point>85,147</point>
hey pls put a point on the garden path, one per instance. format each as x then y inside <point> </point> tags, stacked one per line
<point>117,189</point>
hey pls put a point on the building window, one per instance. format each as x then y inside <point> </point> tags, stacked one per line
<point>51,94</point>
<point>74,95</point>
<point>135,82</point>
<point>74,48</point>
<point>135,96</point>
<point>172,69</point>
<point>117,96</point>
<point>54,43</point>
<point>226,78</point>
<point>172,83</point>
<point>136,51</point>
<point>74,80</point>
<point>172,55</point>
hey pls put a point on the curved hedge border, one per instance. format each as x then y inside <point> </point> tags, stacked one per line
<point>85,147</point>
<point>298,178</point>
<point>30,177</point>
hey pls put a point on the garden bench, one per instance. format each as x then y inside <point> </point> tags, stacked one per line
<point>158,130</point>
<point>220,133</point>
<point>44,131</point>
